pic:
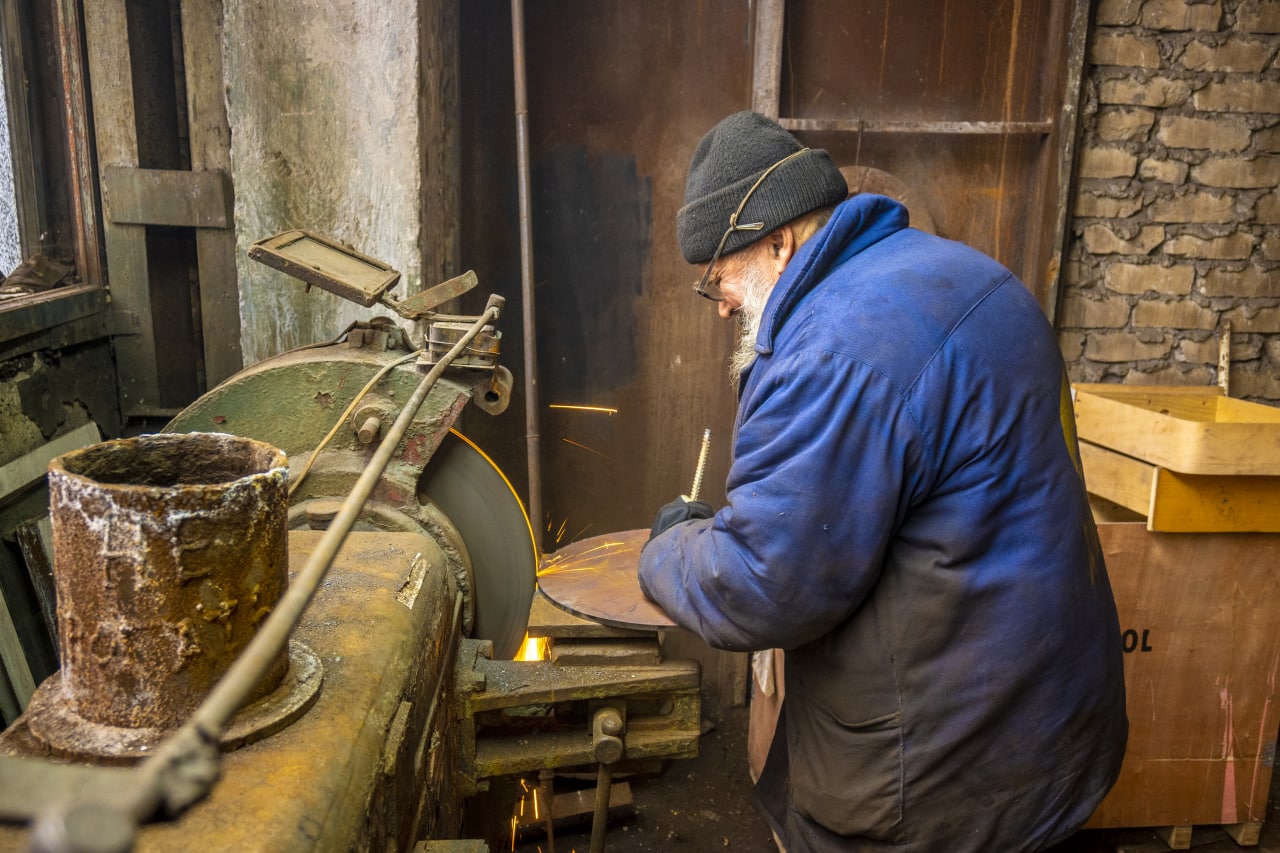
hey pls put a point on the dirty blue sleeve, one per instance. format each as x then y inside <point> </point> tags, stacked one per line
<point>826,459</point>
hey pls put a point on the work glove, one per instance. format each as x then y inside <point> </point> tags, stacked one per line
<point>679,510</point>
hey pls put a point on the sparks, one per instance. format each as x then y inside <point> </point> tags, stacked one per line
<point>604,410</point>
<point>584,447</point>
<point>533,648</point>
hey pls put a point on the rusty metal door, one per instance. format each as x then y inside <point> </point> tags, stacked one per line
<point>971,105</point>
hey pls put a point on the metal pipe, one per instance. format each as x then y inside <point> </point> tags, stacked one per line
<point>185,766</point>
<point>600,818</point>
<point>532,437</point>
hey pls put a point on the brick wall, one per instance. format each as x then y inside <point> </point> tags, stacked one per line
<point>1176,214</point>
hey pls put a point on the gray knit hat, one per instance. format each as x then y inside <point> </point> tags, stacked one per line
<point>727,163</point>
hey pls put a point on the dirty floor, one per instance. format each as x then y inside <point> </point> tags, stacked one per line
<point>701,805</point>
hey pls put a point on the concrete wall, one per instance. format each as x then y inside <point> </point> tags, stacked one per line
<point>1176,212</point>
<point>323,104</point>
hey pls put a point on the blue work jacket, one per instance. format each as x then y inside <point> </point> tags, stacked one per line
<point>907,518</point>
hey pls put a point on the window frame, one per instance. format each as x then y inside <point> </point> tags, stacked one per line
<point>51,141</point>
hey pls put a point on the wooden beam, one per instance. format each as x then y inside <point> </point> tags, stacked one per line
<point>766,69</point>
<point>166,197</point>
<point>971,128</point>
<point>75,89</point>
<point>110,72</point>
<point>210,135</point>
<point>14,658</point>
<point>1068,121</point>
<point>31,467</point>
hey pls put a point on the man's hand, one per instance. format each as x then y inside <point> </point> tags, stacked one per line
<point>680,510</point>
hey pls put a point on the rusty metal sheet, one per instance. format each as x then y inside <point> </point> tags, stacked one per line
<point>596,579</point>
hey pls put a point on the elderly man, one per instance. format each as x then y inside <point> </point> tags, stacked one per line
<point>906,518</point>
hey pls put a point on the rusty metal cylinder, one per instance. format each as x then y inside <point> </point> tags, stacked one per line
<point>169,551</point>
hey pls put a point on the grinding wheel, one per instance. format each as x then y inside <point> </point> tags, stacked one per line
<point>478,499</point>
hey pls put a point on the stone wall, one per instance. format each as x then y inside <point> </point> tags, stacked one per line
<point>1176,219</point>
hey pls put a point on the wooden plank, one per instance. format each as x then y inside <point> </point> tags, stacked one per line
<point>1189,503</point>
<point>110,73</point>
<point>1245,834</point>
<point>52,308</point>
<point>13,658</point>
<point>1066,131</point>
<point>174,197</point>
<point>35,543</point>
<point>31,467</point>
<point>1188,430</point>
<point>1182,503</point>
<point>441,142</point>
<point>210,134</point>
<point>1200,623</point>
<point>1177,837</point>
<point>612,652</point>
<point>1116,477</point>
<point>79,134</point>
<point>10,710</point>
<point>766,69</point>
<point>571,804</point>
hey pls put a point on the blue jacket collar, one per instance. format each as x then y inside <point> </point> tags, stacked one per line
<point>855,224</point>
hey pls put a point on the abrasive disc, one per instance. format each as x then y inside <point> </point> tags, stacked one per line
<point>478,499</point>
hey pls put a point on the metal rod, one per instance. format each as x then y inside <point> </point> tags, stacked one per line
<point>193,744</point>
<point>600,820</point>
<point>546,790</point>
<point>978,128</point>
<point>532,437</point>
<point>702,466</point>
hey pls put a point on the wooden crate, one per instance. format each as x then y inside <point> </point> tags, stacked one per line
<point>1187,458</point>
<point>1200,616</point>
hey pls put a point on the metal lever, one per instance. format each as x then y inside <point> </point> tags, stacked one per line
<point>606,742</point>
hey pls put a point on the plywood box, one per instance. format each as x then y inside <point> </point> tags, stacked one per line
<point>1200,616</point>
<point>1187,458</point>
<point>1188,429</point>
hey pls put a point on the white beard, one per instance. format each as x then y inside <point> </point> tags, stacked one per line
<point>756,287</point>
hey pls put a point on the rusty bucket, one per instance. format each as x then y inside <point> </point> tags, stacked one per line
<point>169,551</point>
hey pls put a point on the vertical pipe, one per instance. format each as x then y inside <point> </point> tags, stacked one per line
<point>526,275</point>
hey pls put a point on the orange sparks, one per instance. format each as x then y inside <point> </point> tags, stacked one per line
<point>604,410</point>
<point>584,447</point>
<point>533,648</point>
<point>583,562</point>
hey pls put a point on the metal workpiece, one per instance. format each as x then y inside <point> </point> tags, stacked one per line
<point>169,552</point>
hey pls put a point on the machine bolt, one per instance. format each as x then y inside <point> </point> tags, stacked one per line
<point>369,430</point>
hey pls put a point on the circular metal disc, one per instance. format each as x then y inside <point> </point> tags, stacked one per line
<point>480,502</point>
<point>596,579</point>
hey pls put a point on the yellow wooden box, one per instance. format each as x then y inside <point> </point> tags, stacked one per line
<point>1189,459</point>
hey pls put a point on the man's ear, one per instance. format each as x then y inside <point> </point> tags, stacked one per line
<point>782,246</point>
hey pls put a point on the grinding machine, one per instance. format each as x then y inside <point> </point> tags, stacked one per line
<point>288,621</point>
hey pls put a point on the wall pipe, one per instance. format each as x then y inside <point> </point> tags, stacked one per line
<point>532,437</point>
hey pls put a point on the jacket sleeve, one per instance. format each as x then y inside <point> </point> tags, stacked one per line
<point>826,459</point>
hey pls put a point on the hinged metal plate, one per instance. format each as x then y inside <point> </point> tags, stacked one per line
<point>327,264</point>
